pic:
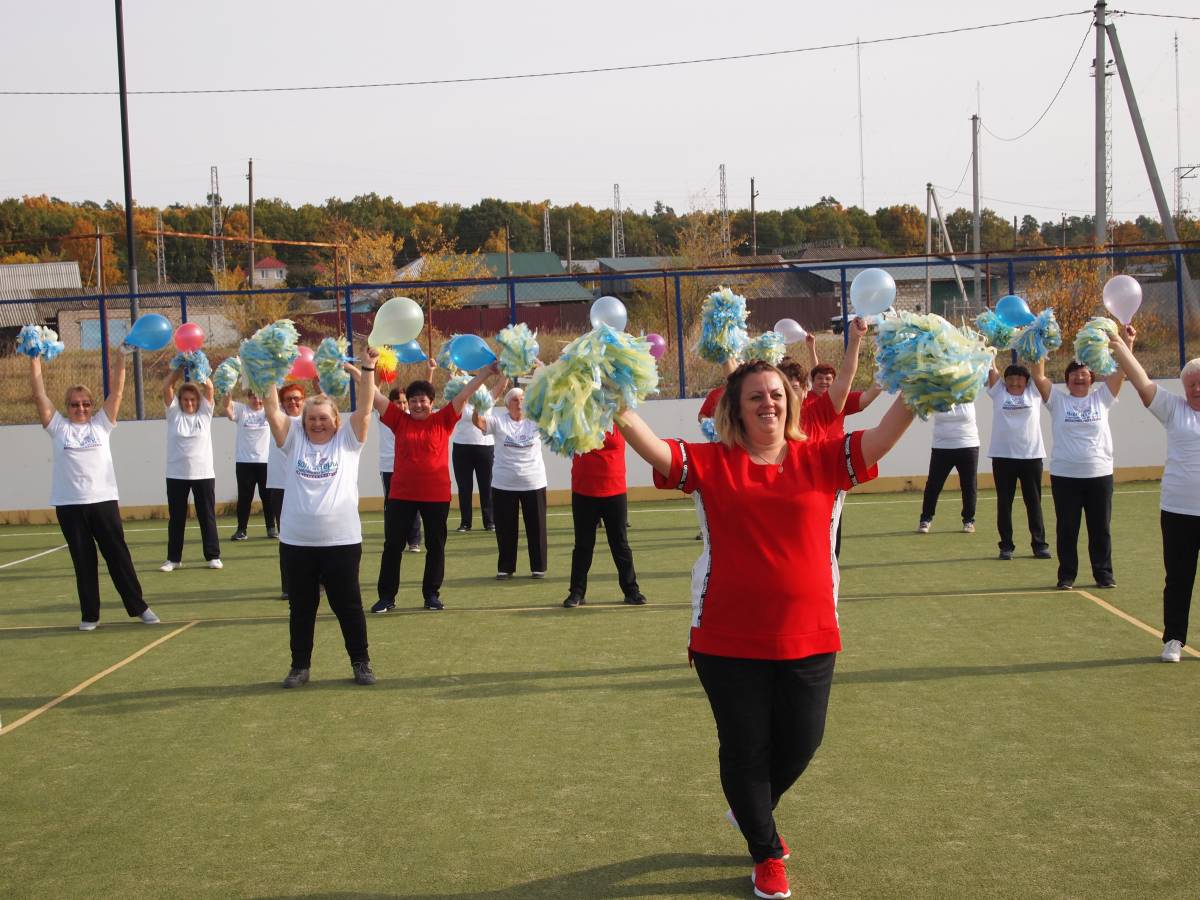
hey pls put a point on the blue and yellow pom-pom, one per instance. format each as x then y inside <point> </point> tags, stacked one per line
<point>1092,345</point>
<point>267,357</point>
<point>933,364</point>
<point>329,359</point>
<point>481,400</point>
<point>1039,338</point>
<point>198,368</point>
<point>723,326</point>
<point>769,347</point>
<point>995,331</point>
<point>39,341</point>
<point>518,349</point>
<point>225,376</point>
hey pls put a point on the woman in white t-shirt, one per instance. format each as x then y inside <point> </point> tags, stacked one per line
<point>291,402</point>
<point>190,469</point>
<point>518,481</point>
<point>83,492</point>
<point>1017,451</point>
<point>1179,502</point>
<point>387,464</point>
<point>472,454</point>
<point>320,533</point>
<point>1081,468</point>
<point>251,452</point>
<point>955,446</point>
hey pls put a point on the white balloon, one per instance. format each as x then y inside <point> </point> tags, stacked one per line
<point>1122,297</point>
<point>609,311</point>
<point>791,331</point>
<point>872,291</point>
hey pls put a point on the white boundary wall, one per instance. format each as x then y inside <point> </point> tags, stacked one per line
<point>139,451</point>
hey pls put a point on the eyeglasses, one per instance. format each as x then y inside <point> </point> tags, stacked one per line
<point>80,404</point>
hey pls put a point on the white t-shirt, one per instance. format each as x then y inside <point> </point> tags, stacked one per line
<point>465,431</point>
<point>320,499</point>
<point>189,441</point>
<point>955,429</point>
<point>277,462</point>
<point>83,466</point>
<point>387,446</point>
<point>518,465</point>
<point>1181,475</point>
<point>1016,422</point>
<point>253,434</point>
<point>1083,446</point>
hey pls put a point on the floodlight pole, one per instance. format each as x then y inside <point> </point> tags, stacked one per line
<point>131,246</point>
<point>1100,231</point>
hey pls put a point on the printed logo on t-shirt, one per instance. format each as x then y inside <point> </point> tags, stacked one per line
<point>80,440</point>
<point>1081,413</point>
<point>1015,402</point>
<point>317,467</point>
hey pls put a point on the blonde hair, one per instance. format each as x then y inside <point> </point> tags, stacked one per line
<point>728,418</point>
<point>78,389</point>
<point>321,400</point>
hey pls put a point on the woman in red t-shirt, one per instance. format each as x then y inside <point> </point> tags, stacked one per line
<point>599,494</point>
<point>764,598</point>
<point>420,485</point>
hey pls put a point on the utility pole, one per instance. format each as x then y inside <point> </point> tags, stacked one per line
<point>217,225</point>
<point>546,227</point>
<point>753,221</point>
<point>160,254</point>
<point>862,177</point>
<point>568,245</point>
<point>1064,231</point>
<point>975,228</point>
<point>1100,233</point>
<point>250,179</point>
<point>928,244</point>
<point>130,245</point>
<point>618,227</point>
<point>724,215</point>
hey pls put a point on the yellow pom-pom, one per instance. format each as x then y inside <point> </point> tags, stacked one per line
<point>385,366</point>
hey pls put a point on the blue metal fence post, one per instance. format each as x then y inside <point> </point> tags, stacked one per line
<point>350,340</point>
<point>512,302</point>
<point>1180,272</point>
<point>679,339</point>
<point>104,344</point>
<point>845,313</point>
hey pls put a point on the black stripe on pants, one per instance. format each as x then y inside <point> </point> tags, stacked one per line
<point>1007,473</point>
<point>1090,498</point>
<point>336,569</point>
<point>533,511</point>
<point>586,514</point>
<point>770,718</point>
<point>414,533</point>
<point>398,516</point>
<point>941,461</point>
<point>1181,547</point>
<point>86,526</point>
<point>204,495</point>
<point>251,475</point>
<point>468,460</point>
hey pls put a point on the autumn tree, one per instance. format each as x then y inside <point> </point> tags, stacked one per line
<point>1072,288</point>
<point>441,261</point>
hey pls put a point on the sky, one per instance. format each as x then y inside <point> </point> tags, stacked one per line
<point>790,121</point>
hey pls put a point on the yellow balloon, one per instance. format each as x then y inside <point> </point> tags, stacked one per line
<point>398,321</point>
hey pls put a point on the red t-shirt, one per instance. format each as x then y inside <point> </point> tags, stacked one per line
<point>601,473</point>
<point>422,466</point>
<point>820,422</point>
<point>765,586</point>
<point>709,407</point>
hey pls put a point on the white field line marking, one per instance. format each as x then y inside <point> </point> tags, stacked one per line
<point>17,562</point>
<point>633,512</point>
<point>1121,614</point>
<point>83,685</point>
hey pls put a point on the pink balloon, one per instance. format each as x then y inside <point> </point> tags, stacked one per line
<point>303,367</point>
<point>188,337</point>
<point>658,345</point>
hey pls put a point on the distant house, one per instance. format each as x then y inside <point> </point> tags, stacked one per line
<point>269,272</point>
<point>910,282</point>
<point>23,281</point>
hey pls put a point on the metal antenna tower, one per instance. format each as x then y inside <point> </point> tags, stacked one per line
<point>724,214</point>
<point>218,227</point>
<point>160,256</point>
<point>1108,162</point>
<point>546,227</point>
<point>618,227</point>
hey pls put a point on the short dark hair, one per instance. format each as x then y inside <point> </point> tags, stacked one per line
<point>420,388</point>
<point>1074,365</point>
<point>793,371</point>
<point>395,394</point>
<point>823,369</point>
<point>1014,369</point>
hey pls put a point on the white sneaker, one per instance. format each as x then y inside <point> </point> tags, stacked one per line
<point>923,527</point>
<point>148,617</point>
<point>968,527</point>
<point>169,566</point>
<point>1172,650</point>
<point>88,626</point>
<point>215,564</point>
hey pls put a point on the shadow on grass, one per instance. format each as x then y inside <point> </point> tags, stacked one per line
<point>611,880</point>
<point>938,673</point>
<point>941,561</point>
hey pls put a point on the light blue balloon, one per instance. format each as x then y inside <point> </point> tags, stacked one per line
<point>150,332</point>
<point>609,311</point>
<point>1013,311</point>
<point>410,352</point>
<point>470,352</point>
<point>871,292</point>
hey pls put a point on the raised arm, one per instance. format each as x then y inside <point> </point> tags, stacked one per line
<point>479,421</point>
<point>877,441</point>
<point>229,407</point>
<point>277,419</point>
<point>116,387</point>
<point>840,389</point>
<point>1133,371</point>
<point>360,419</point>
<point>1117,378</point>
<point>45,409</point>
<point>993,373</point>
<point>868,396</point>
<point>730,365</point>
<point>1040,381</point>
<point>209,391</point>
<point>168,393</point>
<point>645,443</point>
<point>472,386</point>
<point>810,342</point>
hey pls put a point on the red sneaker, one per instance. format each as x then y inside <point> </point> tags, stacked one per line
<point>732,820</point>
<point>770,880</point>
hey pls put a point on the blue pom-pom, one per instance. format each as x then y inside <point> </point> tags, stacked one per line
<point>38,340</point>
<point>1092,345</point>
<point>518,349</point>
<point>267,357</point>
<point>933,364</point>
<point>1039,338</point>
<point>723,326</point>
<point>198,368</point>
<point>708,427</point>
<point>226,375</point>
<point>995,331</point>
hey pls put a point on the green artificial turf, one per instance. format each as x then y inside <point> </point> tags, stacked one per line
<point>988,736</point>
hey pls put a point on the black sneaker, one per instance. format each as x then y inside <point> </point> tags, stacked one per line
<point>636,599</point>
<point>1107,583</point>
<point>573,601</point>
<point>1006,554</point>
<point>362,673</point>
<point>295,678</point>
<point>1042,554</point>
<point>382,606</point>
<point>239,536</point>
<point>1065,585</point>
<point>463,529</point>
<point>489,527</point>
<point>273,533</point>
<point>434,602</point>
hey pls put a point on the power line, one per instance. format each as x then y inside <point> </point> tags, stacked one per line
<point>1070,69</point>
<point>558,74</point>
<point>1022,203</point>
<point>1126,12</point>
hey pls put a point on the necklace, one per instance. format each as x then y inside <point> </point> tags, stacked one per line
<point>766,462</point>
